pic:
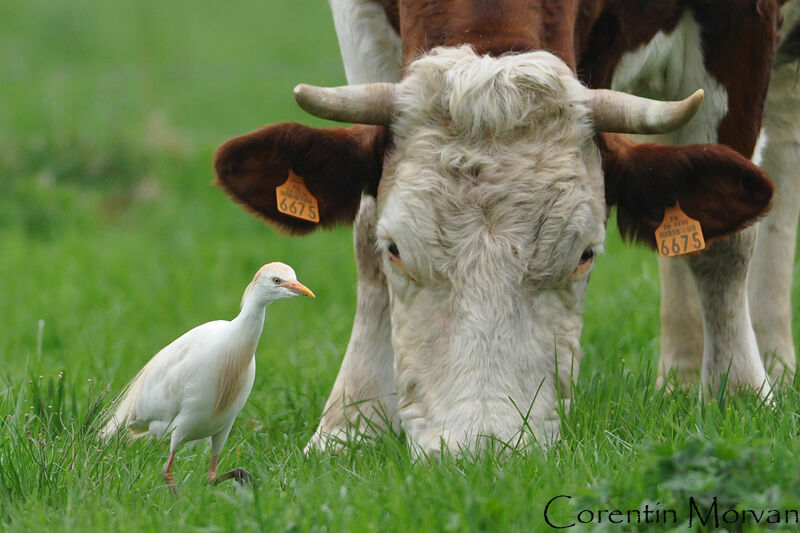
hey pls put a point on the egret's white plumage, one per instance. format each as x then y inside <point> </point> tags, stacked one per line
<point>195,386</point>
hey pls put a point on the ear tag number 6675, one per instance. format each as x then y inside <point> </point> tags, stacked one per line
<point>294,199</point>
<point>678,234</point>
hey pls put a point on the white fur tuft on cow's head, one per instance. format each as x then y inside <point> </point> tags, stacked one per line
<point>489,98</point>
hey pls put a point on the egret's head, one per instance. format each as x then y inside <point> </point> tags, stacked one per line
<point>275,281</point>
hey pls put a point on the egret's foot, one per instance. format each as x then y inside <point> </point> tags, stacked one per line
<point>241,475</point>
<point>168,477</point>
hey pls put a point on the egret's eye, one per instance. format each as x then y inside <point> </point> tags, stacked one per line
<point>393,249</point>
<point>587,255</point>
<point>276,280</point>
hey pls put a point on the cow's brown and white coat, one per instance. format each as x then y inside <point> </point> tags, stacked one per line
<point>485,199</point>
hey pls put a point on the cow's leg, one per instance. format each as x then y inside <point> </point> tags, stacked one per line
<point>720,274</point>
<point>681,323</point>
<point>363,397</point>
<point>772,268</point>
<point>371,49</point>
<point>721,271</point>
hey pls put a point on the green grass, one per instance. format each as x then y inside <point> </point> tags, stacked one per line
<point>113,239</point>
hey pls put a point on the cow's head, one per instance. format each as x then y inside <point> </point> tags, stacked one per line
<point>492,202</point>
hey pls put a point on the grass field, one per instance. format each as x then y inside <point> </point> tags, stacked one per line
<point>113,242</point>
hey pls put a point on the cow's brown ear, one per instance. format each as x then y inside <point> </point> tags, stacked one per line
<point>336,166</point>
<point>714,184</point>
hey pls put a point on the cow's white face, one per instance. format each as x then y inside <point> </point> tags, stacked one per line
<point>490,207</point>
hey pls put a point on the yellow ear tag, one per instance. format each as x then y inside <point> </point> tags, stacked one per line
<point>678,234</point>
<point>295,200</point>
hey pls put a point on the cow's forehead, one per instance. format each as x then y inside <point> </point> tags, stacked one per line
<point>479,98</point>
<point>493,164</point>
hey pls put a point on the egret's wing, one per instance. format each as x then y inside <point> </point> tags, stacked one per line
<point>157,391</point>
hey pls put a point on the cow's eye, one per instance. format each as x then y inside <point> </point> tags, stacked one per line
<point>394,258</point>
<point>585,263</point>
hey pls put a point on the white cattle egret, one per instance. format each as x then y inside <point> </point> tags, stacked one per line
<point>195,387</point>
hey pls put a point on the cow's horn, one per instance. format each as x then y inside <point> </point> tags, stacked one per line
<point>370,103</point>
<point>618,112</point>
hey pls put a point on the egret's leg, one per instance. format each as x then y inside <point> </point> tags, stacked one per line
<point>239,474</point>
<point>176,439</point>
<point>168,477</point>
<point>212,470</point>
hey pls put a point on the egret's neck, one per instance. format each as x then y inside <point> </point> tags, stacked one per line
<point>251,317</point>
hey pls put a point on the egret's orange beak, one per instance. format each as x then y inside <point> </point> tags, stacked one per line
<point>297,288</point>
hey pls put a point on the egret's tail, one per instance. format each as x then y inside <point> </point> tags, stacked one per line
<point>122,407</point>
